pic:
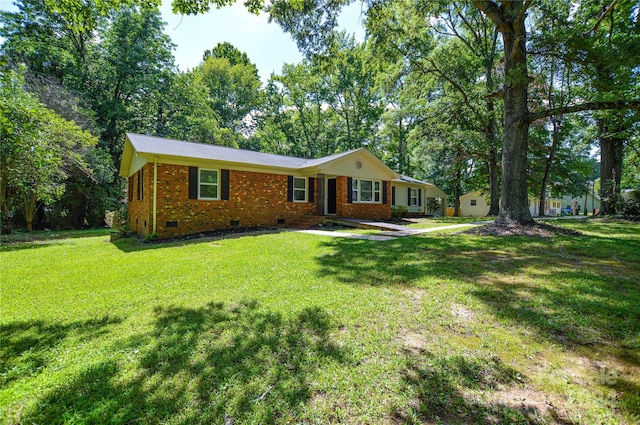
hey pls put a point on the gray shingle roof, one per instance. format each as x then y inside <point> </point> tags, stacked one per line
<point>408,179</point>
<point>149,146</point>
<point>161,146</point>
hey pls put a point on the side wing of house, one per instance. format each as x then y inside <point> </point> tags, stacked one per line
<point>420,198</point>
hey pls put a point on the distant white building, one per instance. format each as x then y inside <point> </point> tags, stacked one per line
<point>475,204</point>
<point>552,207</point>
<point>590,202</point>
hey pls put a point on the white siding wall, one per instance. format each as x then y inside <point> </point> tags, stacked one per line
<point>481,208</point>
<point>403,199</point>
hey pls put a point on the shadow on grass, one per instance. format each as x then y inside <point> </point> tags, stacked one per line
<point>213,364</point>
<point>445,391</point>
<point>571,291</point>
<point>132,244</point>
<point>26,348</point>
<point>564,290</point>
<point>29,240</point>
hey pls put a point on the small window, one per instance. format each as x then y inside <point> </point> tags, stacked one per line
<point>208,187</point>
<point>299,189</point>
<point>473,202</point>
<point>414,198</point>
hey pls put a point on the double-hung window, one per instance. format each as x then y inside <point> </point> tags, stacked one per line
<point>299,189</point>
<point>208,184</point>
<point>366,191</point>
<point>414,198</point>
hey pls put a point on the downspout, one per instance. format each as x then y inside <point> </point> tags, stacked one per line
<point>155,194</point>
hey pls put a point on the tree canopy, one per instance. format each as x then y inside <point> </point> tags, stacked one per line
<point>507,97</point>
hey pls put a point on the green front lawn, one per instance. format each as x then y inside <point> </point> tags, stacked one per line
<point>284,327</point>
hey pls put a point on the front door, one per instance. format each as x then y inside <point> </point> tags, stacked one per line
<point>331,196</point>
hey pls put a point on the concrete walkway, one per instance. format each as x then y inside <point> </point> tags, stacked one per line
<point>386,235</point>
<point>376,237</point>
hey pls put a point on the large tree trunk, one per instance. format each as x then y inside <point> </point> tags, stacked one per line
<point>494,188</point>
<point>509,17</point>
<point>514,207</point>
<point>611,149</point>
<point>458,190</point>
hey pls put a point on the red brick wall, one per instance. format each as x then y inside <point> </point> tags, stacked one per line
<point>255,199</point>
<point>357,210</point>
<point>139,211</point>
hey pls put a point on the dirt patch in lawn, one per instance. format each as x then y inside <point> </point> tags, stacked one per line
<point>530,402</point>
<point>541,230</point>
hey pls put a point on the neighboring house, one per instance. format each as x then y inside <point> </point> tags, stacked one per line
<point>474,204</point>
<point>552,207</point>
<point>420,197</point>
<point>178,188</point>
<point>592,202</point>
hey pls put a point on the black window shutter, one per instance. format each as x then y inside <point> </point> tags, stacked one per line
<point>290,188</point>
<point>419,197</point>
<point>225,185</point>
<point>408,196</point>
<point>384,192</point>
<point>311,189</point>
<point>193,182</point>
<point>393,195</point>
<point>349,190</point>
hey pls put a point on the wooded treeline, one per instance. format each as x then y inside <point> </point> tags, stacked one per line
<point>510,98</point>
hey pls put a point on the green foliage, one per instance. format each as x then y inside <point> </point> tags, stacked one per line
<point>39,149</point>
<point>399,211</point>
<point>323,105</point>
<point>232,90</point>
<point>630,204</point>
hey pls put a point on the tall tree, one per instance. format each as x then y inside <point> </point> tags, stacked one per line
<point>233,90</point>
<point>39,149</point>
<point>308,22</point>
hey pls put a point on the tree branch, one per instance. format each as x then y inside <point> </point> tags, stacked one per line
<point>588,106</point>
<point>491,10</point>
<point>523,11</point>
<point>600,19</point>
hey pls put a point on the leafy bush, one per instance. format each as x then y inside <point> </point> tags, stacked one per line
<point>630,204</point>
<point>399,211</point>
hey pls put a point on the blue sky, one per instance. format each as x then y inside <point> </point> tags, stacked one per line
<point>266,44</point>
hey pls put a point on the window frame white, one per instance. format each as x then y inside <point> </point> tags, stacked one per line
<point>356,191</point>
<point>217,184</point>
<point>297,189</point>
<point>413,199</point>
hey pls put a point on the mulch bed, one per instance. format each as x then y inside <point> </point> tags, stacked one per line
<point>540,230</point>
